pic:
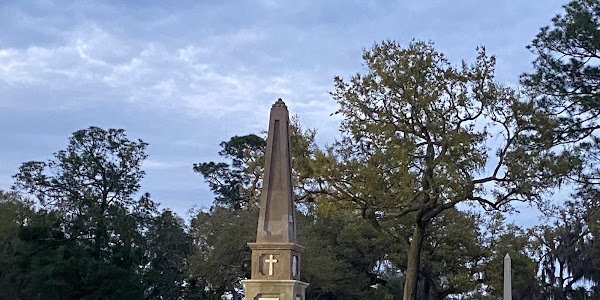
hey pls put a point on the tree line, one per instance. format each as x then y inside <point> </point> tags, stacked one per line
<point>376,209</point>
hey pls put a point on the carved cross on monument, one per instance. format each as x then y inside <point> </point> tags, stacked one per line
<point>270,261</point>
<point>276,232</point>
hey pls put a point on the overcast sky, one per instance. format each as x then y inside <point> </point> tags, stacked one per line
<point>186,75</point>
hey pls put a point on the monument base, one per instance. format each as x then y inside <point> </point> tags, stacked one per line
<point>274,289</point>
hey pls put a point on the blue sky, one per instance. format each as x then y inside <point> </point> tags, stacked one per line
<point>186,75</point>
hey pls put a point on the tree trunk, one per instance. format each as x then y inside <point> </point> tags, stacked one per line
<point>425,287</point>
<point>414,259</point>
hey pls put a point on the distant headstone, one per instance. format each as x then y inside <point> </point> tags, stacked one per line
<point>507,278</point>
<point>275,255</point>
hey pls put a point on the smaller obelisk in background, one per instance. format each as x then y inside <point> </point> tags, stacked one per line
<point>275,255</point>
<point>507,278</point>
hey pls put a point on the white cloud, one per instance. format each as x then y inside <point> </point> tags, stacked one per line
<point>74,62</point>
<point>152,164</point>
<point>192,78</point>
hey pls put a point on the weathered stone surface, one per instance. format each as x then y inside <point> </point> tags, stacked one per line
<point>282,269</point>
<point>279,289</point>
<point>275,255</point>
<point>507,278</point>
<point>276,221</point>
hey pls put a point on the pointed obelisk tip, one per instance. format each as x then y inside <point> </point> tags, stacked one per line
<point>279,103</point>
<point>507,256</point>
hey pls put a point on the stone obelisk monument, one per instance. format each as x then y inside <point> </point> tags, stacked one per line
<point>507,279</point>
<point>275,255</point>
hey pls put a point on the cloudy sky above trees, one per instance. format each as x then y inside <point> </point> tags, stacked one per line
<point>186,75</point>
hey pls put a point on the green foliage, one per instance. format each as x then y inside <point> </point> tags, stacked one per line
<point>509,239</point>
<point>452,254</point>
<point>566,69</point>
<point>565,82</point>
<point>343,257</point>
<point>221,257</point>
<point>416,137</point>
<point>98,166</point>
<point>42,263</point>
<point>91,184</point>
<point>411,132</point>
<point>591,244</point>
<point>334,270</point>
<point>88,240</point>
<point>303,151</point>
<point>567,250</point>
<point>13,214</point>
<point>168,247</point>
<point>235,185</point>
